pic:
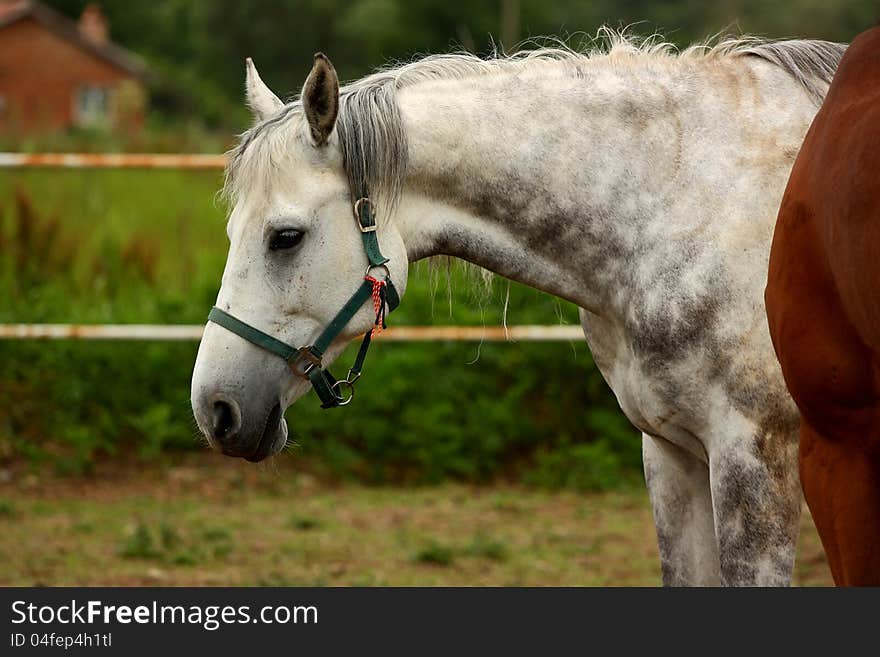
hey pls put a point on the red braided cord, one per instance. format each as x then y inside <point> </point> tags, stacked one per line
<point>377,301</point>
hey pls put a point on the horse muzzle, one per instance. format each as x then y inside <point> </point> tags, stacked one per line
<point>249,435</point>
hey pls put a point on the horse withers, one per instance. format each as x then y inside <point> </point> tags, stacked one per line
<point>823,305</point>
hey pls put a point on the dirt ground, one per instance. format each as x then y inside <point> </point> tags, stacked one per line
<point>209,521</point>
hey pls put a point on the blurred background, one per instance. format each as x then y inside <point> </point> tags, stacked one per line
<point>460,463</point>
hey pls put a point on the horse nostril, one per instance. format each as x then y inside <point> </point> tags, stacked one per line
<point>222,420</point>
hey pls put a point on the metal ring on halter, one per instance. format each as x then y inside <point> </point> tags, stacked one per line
<point>357,215</point>
<point>385,267</point>
<point>336,391</point>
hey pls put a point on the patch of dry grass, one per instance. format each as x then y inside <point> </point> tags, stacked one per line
<point>213,522</point>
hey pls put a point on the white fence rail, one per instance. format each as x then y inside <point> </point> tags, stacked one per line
<point>110,161</point>
<point>183,332</point>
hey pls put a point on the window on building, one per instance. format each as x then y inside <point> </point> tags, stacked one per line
<point>91,105</point>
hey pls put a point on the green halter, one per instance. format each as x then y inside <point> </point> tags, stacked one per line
<point>306,361</point>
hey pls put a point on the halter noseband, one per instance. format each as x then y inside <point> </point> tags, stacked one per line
<point>306,361</point>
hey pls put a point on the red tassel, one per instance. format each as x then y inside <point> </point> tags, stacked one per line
<point>378,303</point>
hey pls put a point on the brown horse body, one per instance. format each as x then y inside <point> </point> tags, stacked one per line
<point>823,304</point>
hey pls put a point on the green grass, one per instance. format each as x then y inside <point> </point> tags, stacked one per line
<point>305,523</point>
<point>139,544</point>
<point>435,553</point>
<point>207,520</point>
<point>101,244</point>
<point>487,548</point>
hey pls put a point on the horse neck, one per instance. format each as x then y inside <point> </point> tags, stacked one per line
<point>564,181</point>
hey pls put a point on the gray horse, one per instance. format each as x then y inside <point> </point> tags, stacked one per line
<point>640,183</point>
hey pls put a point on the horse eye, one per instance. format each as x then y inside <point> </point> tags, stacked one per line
<point>285,239</point>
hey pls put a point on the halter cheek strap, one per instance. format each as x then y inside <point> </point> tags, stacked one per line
<point>306,361</point>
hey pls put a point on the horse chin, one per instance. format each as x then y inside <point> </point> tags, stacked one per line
<point>274,437</point>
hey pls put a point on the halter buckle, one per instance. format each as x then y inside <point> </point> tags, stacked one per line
<point>305,354</point>
<point>357,215</point>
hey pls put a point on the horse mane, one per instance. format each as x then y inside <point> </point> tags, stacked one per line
<point>370,128</point>
<point>811,63</point>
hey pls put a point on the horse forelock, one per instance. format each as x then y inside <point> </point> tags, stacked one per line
<point>370,128</point>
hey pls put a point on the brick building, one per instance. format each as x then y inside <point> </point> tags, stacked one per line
<point>56,73</point>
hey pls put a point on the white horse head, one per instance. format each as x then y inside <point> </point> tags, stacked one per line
<point>295,257</point>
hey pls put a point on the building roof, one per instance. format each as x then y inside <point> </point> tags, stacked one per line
<point>13,11</point>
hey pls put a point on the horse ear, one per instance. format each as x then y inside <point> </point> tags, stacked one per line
<point>320,99</point>
<point>260,99</point>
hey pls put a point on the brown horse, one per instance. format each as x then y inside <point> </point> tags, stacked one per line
<point>823,304</point>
